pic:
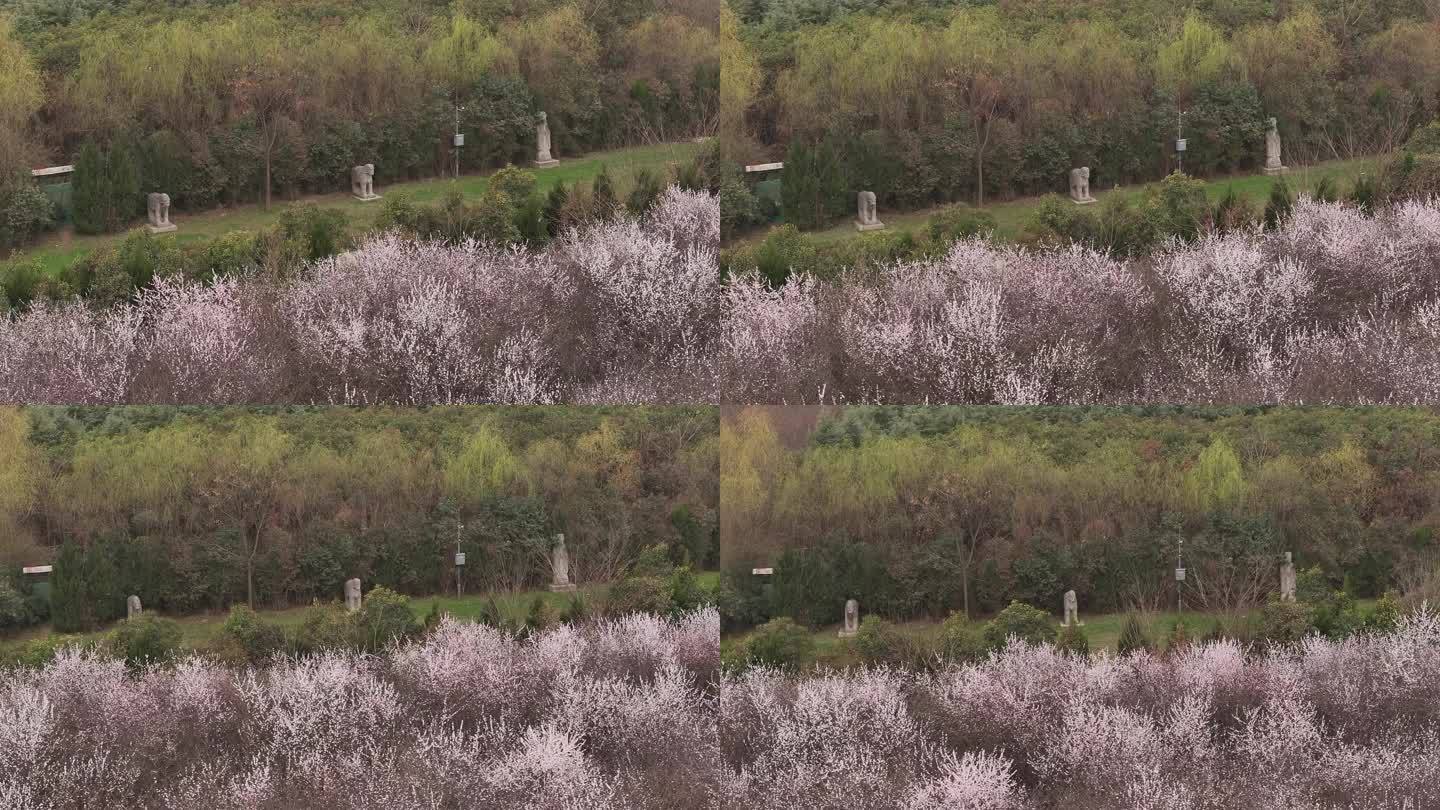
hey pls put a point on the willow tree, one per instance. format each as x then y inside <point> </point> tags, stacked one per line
<point>21,96</point>
<point>246,485</point>
<point>740,79</point>
<point>985,69</point>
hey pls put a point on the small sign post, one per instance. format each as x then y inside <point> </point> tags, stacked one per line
<point>459,562</point>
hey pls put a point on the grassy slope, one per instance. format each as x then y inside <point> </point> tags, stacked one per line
<point>1102,630</point>
<point>60,249</point>
<point>1012,216</point>
<point>200,630</point>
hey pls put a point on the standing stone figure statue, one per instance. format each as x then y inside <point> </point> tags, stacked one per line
<point>352,595</point>
<point>865,218</point>
<point>1080,186</point>
<point>852,619</point>
<point>1072,610</point>
<point>1287,579</point>
<point>1272,149</point>
<point>362,182</point>
<point>560,566</point>
<point>132,606</point>
<point>543,160</point>
<point>157,211</point>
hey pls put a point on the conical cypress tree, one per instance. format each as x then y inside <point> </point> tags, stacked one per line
<point>69,591</point>
<point>555,208</point>
<point>90,190</point>
<point>124,186</point>
<point>1132,637</point>
<point>602,193</point>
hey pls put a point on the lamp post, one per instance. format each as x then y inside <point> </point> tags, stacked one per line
<point>1179,140</point>
<point>459,562</point>
<point>1180,576</point>
<point>459,140</point>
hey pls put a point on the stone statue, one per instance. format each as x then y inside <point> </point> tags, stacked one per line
<point>865,218</point>
<point>132,607</point>
<point>1272,149</point>
<point>362,182</point>
<point>852,619</point>
<point>543,160</point>
<point>352,595</point>
<point>1287,579</point>
<point>157,211</point>
<point>560,566</point>
<point>1072,610</point>
<point>1080,186</point>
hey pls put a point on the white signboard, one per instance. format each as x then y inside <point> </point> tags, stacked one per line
<point>1180,145</point>
<point>459,558</point>
<point>37,569</point>
<point>763,571</point>
<point>1179,574</point>
<point>459,139</point>
<point>764,167</point>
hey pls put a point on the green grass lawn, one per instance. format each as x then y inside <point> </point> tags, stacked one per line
<point>1102,631</point>
<point>1012,216</point>
<point>199,631</point>
<point>60,249</point>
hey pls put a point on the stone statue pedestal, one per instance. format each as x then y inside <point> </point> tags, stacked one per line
<point>870,226</point>
<point>166,228</point>
<point>1274,170</point>
<point>371,198</point>
<point>1087,201</point>
<point>545,164</point>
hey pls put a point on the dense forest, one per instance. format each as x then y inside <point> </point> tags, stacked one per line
<point>203,507</point>
<point>919,511</point>
<point>927,102</point>
<point>219,101</point>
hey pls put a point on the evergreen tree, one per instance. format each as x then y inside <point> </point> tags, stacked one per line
<point>1278,207</point>
<point>555,203</point>
<point>1133,637</point>
<point>1073,640</point>
<point>602,193</point>
<point>648,189</point>
<point>90,190</point>
<point>69,592</point>
<point>813,190</point>
<point>123,187</point>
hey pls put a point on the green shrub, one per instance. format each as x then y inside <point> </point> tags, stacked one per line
<point>145,639</point>
<point>90,191</point>
<point>37,652</point>
<point>325,627</point>
<point>652,561</point>
<point>1072,640</point>
<point>603,200</point>
<point>1179,637</point>
<point>642,594</point>
<point>1285,621</point>
<point>25,211</point>
<point>14,607</point>
<point>784,252</point>
<point>576,611</point>
<point>961,639</point>
<point>314,232</point>
<point>1326,191</point>
<point>881,642</point>
<point>739,208</point>
<point>540,615</point>
<point>384,617</point>
<point>686,592</point>
<point>1279,205</point>
<point>246,638</point>
<point>1133,637</point>
<point>781,643</point>
<point>956,222</point>
<point>1058,221</point>
<point>1177,206</point>
<point>227,255</point>
<point>1030,625</point>
<point>1385,615</point>
<point>1234,212</point>
<point>20,282</point>
<point>492,218</point>
<point>647,190</point>
<point>1363,194</point>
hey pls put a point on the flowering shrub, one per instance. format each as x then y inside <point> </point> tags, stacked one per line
<point>1323,724</point>
<point>1332,306</point>
<point>611,715</point>
<point>621,311</point>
